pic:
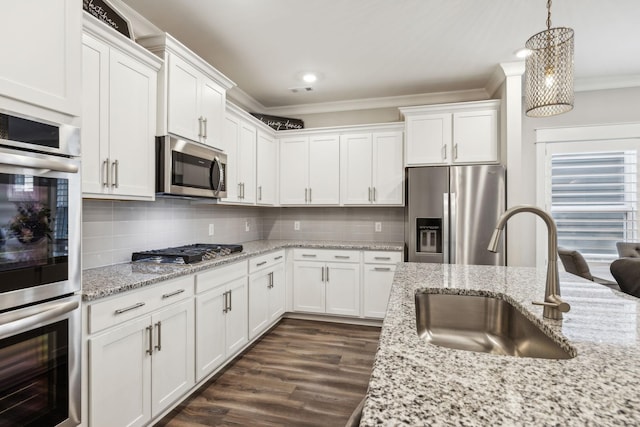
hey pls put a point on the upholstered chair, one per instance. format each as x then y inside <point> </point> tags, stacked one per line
<point>628,249</point>
<point>626,271</point>
<point>574,263</point>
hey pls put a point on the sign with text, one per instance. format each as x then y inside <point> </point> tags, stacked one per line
<point>106,13</point>
<point>279,123</point>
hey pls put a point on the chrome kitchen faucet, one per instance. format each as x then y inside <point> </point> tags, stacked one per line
<point>553,305</point>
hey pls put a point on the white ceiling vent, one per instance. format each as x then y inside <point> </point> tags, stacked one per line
<point>301,89</point>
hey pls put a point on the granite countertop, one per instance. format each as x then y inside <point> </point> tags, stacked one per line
<point>416,383</point>
<point>105,281</point>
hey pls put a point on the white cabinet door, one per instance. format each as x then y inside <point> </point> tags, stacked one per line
<point>388,169</point>
<point>173,355</point>
<point>94,133</point>
<point>247,162</point>
<point>212,108</point>
<point>475,136</point>
<point>267,169</point>
<point>428,139</point>
<point>230,146</point>
<point>377,283</point>
<point>259,291</point>
<point>308,287</point>
<point>210,332</point>
<point>294,170</point>
<point>183,99</point>
<point>343,289</point>
<point>356,162</point>
<point>120,376</point>
<point>236,317</point>
<point>277,293</point>
<point>324,170</point>
<point>132,112</point>
<point>42,53</point>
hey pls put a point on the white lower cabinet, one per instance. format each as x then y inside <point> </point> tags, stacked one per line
<point>266,292</point>
<point>139,367</point>
<point>328,284</point>
<point>379,268</point>
<point>221,316</point>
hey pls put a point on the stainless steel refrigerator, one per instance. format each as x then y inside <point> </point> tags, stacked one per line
<point>451,212</point>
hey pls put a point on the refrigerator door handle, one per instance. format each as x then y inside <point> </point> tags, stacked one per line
<point>452,226</point>
<point>445,228</point>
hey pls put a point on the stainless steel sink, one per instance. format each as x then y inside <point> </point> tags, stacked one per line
<point>483,324</point>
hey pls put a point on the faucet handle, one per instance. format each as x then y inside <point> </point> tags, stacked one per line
<point>556,303</point>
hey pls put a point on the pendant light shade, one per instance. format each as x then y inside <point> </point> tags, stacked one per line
<point>549,71</point>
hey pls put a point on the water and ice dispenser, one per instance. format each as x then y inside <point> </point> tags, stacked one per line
<point>429,235</point>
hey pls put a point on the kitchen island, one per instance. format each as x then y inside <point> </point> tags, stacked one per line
<point>416,383</point>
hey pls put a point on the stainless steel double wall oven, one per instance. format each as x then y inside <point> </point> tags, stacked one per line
<point>40,225</point>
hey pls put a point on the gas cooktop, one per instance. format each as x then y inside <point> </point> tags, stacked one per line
<point>187,254</point>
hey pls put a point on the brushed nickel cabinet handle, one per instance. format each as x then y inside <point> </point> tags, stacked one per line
<point>159,345</point>
<point>230,301</point>
<point>260,192</point>
<point>327,274</point>
<point>382,268</point>
<point>278,257</point>
<point>114,173</point>
<point>322,273</point>
<point>310,198</point>
<point>226,304</point>
<point>444,151</point>
<point>305,195</point>
<point>369,193</point>
<point>105,175</point>
<point>261,263</point>
<point>374,194</point>
<point>342,256</point>
<point>170,294</point>
<point>309,255</point>
<point>200,126</point>
<point>455,151</point>
<point>150,330</point>
<point>133,307</point>
<point>383,258</point>
<point>204,135</point>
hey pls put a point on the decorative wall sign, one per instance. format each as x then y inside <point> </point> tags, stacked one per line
<point>279,123</point>
<point>106,13</point>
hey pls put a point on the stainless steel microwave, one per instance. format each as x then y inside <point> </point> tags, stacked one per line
<point>189,169</point>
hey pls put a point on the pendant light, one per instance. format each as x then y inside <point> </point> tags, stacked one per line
<point>549,71</point>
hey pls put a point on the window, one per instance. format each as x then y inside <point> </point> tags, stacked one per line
<point>594,201</point>
<point>588,181</point>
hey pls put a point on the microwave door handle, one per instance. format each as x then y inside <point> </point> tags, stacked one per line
<point>211,184</point>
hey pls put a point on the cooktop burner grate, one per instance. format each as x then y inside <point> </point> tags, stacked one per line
<point>187,254</point>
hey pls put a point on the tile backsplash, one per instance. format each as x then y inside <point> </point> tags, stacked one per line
<point>112,230</point>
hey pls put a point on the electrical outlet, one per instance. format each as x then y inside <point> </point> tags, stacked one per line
<point>378,226</point>
<point>211,230</point>
<point>247,226</point>
<point>296,225</point>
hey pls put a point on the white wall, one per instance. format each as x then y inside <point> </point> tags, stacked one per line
<point>590,108</point>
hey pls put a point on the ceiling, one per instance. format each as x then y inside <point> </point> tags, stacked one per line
<point>363,49</point>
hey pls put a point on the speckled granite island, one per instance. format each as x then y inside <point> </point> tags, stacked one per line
<point>105,281</point>
<point>415,383</point>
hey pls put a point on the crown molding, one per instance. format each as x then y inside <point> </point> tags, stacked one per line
<point>607,82</point>
<point>244,100</point>
<point>383,102</point>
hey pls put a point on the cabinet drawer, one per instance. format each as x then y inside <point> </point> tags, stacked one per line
<point>265,261</point>
<point>326,255</point>
<point>118,309</point>
<point>215,277</point>
<point>382,257</point>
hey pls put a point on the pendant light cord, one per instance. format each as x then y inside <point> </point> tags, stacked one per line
<point>548,14</point>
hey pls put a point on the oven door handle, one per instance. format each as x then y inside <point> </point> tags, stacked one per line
<point>37,161</point>
<point>14,323</point>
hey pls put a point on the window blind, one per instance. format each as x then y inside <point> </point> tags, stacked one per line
<point>594,201</point>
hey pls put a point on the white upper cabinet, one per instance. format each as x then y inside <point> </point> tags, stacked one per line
<point>193,93</point>
<point>42,57</point>
<point>372,168</point>
<point>457,133</point>
<point>267,169</point>
<point>310,169</point>
<point>239,143</point>
<point>119,116</point>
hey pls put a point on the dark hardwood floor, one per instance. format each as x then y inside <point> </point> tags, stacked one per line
<point>301,373</point>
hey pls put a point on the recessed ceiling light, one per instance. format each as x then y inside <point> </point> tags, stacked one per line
<point>522,53</point>
<point>309,77</point>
